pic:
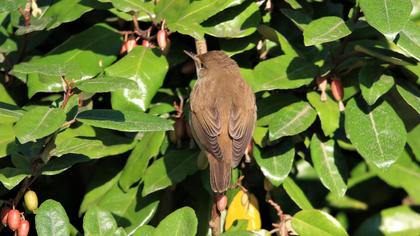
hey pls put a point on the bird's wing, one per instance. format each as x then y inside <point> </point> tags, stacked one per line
<point>205,122</point>
<point>241,125</point>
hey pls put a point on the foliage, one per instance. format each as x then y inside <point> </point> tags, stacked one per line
<point>86,120</point>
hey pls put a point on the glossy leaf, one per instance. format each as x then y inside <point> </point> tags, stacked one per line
<point>246,212</point>
<point>327,111</point>
<point>136,6</point>
<point>10,113</point>
<point>91,142</point>
<point>81,56</point>
<point>10,177</point>
<point>387,16</point>
<point>51,219</point>
<point>329,164</point>
<point>276,162</point>
<point>325,29</point>
<point>169,170</point>
<point>409,39</point>
<point>400,220</point>
<point>373,83</point>
<point>98,222</point>
<point>315,222</point>
<point>137,162</point>
<point>38,123</point>
<point>130,121</point>
<point>182,222</point>
<point>291,120</point>
<point>7,138</point>
<point>283,72</point>
<point>296,194</point>
<point>147,68</point>
<point>377,133</point>
<point>410,94</point>
<point>106,84</point>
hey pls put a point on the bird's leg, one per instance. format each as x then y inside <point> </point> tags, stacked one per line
<point>239,184</point>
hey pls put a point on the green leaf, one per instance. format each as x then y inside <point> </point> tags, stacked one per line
<point>275,162</point>
<point>9,113</point>
<point>325,29</point>
<point>400,220</point>
<point>182,222</point>
<point>169,170</point>
<point>98,222</point>
<point>296,194</point>
<point>106,84</point>
<point>387,16</point>
<point>283,72</point>
<point>291,120</point>
<point>330,165</point>
<point>145,230</point>
<point>91,142</point>
<point>7,138</point>
<point>410,94</point>
<point>234,22</point>
<point>134,6</point>
<point>414,142</point>
<point>51,219</point>
<point>409,40</point>
<point>373,83</point>
<point>315,222</point>
<point>298,17</point>
<point>80,57</point>
<point>346,202</point>
<point>144,66</point>
<point>327,111</point>
<point>11,5</point>
<point>377,133</point>
<point>404,173</point>
<point>130,121</point>
<point>274,36</point>
<point>137,162</point>
<point>38,123</point>
<point>10,177</point>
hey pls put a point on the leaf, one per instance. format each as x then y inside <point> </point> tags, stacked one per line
<point>346,202</point>
<point>330,165</point>
<point>106,84</point>
<point>98,222</point>
<point>315,222</point>
<point>147,68</point>
<point>400,220</point>
<point>38,123</point>
<point>409,40</point>
<point>404,173</point>
<point>10,177</point>
<point>327,111</point>
<point>276,162</point>
<point>9,113</point>
<point>296,194</point>
<point>169,170</point>
<point>145,230</point>
<point>387,16</point>
<point>134,6</point>
<point>410,94</point>
<point>91,142</point>
<point>137,162</point>
<point>130,121</point>
<point>51,219</point>
<point>182,222</point>
<point>234,22</point>
<point>80,57</point>
<point>298,17</point>
<point>7,138</point>
<point>377,133</point>
<point>274,36</point>
<point>325,29</point>
<point>283,72</point>
<point>291,120</point>
<point>373,83</point>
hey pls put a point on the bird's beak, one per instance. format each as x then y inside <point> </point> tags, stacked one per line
<point>196,59</point>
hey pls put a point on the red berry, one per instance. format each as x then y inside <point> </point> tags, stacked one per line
<point>23,229</point>
<point>146,43</point>
<point>13,219</point>
<point>131,44</point>
<point>221,202</point>
<point>337,89</point>
<point>4,215</point>
<point>162,39</point>
<point>322,86</point>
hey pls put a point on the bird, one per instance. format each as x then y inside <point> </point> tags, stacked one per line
<point>222,114</point>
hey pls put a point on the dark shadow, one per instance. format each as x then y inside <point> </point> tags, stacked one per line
<point>299,68</point>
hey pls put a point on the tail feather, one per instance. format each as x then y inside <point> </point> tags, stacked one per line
<point>220,172</point>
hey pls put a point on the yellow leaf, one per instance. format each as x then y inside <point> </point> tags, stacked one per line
<point>244,206</point>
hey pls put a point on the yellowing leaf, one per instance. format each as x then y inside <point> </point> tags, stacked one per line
<point>244,208</point>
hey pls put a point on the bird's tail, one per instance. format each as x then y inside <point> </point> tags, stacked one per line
<point>220,172</point>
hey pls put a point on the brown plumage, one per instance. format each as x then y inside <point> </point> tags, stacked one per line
<point>223,114</point>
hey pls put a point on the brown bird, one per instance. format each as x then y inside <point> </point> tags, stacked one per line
<point>223,114</point>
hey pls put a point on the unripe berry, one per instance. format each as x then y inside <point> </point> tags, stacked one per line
<point>31,200</point>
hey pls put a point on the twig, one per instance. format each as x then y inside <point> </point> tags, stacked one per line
<point>200,46</point>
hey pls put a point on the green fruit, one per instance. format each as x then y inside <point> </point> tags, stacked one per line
<point>31,200</point>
